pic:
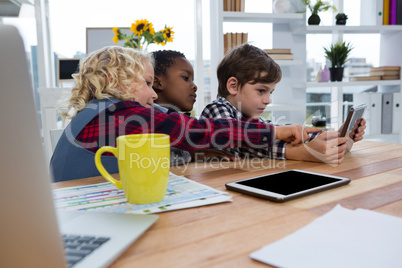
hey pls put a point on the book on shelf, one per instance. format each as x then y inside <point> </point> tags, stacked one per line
<point>390,77</point>
<point>232,40</point>
<point>234,5</point>
<point>281,56</point>
<point>364,78</point>
<point>278,51</point>
<point>381,73</point>
<point>385,68</point>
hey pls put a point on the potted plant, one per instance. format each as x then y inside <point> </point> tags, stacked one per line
<point>341,18</point>
<point>319,6</point>
<point>337,54</point>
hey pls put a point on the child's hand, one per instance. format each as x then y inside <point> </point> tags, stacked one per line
<point>327,147</point>
<point>294,133</point>
<point>358,130</point>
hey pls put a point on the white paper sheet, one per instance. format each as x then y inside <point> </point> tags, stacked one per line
<point>340,238</point>
<point>181,193</point>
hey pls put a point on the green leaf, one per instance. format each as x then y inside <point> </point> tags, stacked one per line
<point>159,38</point>
<point>147,35</point>
<point>338,53</point>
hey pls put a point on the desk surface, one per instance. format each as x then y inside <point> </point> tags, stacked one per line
<point>225,234</point>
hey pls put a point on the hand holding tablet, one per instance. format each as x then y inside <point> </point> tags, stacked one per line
<point>355,115</point>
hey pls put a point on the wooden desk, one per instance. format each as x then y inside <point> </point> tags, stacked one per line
<point>225,234</point>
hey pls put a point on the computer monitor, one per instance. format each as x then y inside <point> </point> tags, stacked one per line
<point>66,67</point>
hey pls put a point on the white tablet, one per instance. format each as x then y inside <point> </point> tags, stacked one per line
<point>287,185</point>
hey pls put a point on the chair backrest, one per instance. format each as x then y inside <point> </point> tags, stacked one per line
<point>49,100</point>
<point>55,135</point>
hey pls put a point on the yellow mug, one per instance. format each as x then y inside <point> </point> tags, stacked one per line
<point>144,163</point>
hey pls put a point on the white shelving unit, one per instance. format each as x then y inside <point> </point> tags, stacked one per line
<point>286,18</point>
<point>390,45</point>
<point>352,29</point>
<point>351,83</point>
<point>284,109</point>
<point>290,31</point>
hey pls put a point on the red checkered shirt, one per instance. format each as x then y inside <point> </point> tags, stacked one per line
<point>186,133</point>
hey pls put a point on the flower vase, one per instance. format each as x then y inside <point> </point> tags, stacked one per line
<point>281,6</point>
<point>314,19</point>
<point>325,74</point>
<point>318,76</point>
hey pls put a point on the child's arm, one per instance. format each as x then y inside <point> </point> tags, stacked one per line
<point>294,133</point>
<point>213,154</point>
<point>218,110</point>
<point>222,109</point>
<point>188,133</point>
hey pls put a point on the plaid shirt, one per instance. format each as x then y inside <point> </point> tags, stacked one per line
<point>221,108</point>
<point>186,133</point>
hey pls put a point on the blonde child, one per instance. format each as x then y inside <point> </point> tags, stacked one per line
<point>113,96</point>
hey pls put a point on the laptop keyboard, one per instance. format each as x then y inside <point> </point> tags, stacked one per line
<point>77,247</point>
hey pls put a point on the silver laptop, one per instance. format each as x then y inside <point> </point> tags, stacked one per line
<point>30,229</point>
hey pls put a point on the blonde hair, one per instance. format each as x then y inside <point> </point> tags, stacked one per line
<point>107,73</point>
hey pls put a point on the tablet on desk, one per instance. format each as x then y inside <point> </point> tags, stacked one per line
<point>287,185</point>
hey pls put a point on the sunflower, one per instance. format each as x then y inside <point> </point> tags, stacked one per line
<point>139,26</point>
<point>143,34</point>
<point>168,34</point>
<point>163,42</point>
<point>116,37</point>
<point>151,29</point>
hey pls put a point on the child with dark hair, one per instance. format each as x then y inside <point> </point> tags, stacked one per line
<point>173,81</point>
<point>174,85</point>
<point>247,77</point>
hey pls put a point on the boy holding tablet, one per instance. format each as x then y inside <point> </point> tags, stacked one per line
<point>247,77</point>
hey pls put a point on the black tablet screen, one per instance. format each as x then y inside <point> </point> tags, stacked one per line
<point>288,182</point>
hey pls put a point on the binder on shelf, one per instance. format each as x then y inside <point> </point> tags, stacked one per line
<point>380,13</point>
<point>373,100</point>
<point>396,112</point>
<point>386,114</point>
<point>372,13</point>
<point>392,12</point>
<point>399,12</point>
<point>385,15</point>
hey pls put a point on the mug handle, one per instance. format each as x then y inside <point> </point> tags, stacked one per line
<point>102,169</point>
